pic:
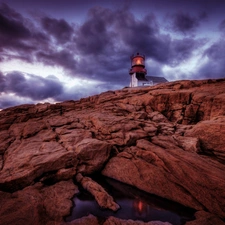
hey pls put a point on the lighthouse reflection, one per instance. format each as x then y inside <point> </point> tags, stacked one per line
<point>140,208</point>
<point>134,204</point>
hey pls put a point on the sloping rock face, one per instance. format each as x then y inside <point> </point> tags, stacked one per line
<point>167,140</point>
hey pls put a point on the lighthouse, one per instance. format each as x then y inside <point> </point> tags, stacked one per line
<point>138,71</point>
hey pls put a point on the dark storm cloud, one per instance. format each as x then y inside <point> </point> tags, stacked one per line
<point>94,36</point>
<point>2,82</point>
<point>222,26</point>
<point>12,30</point>
<point>141,35</point>
<point>215,66</point>
<point>20,88</point>
<point>34,87</point>
<point>181,50</point>
<point>186,23</point>
<point>10,26</point>
<point>108,38</point>
<point>99,48</point>
<point>104,42</point>
<point>18,35</point>
<point>62,58</point>
<point>59,29</point>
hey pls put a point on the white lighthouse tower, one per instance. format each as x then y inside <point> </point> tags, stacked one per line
<point>138,71</point>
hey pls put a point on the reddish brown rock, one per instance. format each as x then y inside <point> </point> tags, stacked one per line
<point>115,221</point>
<point>103,199</point>
<point>91,155</point>
<point>162,168</point>
<point>37,205</point>
<point>205,218</point>
<point>211,136</point>
<point>22,208</point>
<point>28,159</point>
<point>87,220</point>
<point>57,199</point>
<point>165,139</point>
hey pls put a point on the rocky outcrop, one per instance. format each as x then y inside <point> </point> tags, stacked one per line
<point>37,205</point>
<point>163,168</point>
<point>166,140</point>
<point>210,134</point>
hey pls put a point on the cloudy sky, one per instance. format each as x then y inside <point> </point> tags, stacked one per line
<point>56,50</point>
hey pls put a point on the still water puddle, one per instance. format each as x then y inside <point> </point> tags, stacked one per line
<point>134,204</point>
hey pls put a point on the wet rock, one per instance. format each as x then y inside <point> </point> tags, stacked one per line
<point>103,199</point>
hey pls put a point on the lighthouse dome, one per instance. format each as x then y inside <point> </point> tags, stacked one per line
<point>137,60</point>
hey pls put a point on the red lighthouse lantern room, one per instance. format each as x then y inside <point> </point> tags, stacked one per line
<point>137,70</point>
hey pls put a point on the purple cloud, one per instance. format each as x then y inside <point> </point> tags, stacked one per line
<point>222,26</point>
<point>34,87</point>
<point>215,66</point>
<point>59,29</point>
<point>64,58</point>
<point>99,48</point>
<point>186,23</point>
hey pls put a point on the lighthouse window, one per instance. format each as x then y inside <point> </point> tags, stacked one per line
<point>138,61</point>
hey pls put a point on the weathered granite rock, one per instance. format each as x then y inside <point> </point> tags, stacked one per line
<point>37,205</point>
<point>28,159</point>
<point>22,208</point>
<point>103,199</point>
<point>92,220</point>
<point>205,218</point>
<point>91,155</point>
<point>211,136</point>
<point>165,139</point>
<point>57,199</point>
<point>162,168</point>
<point>115,221</point>
<point>87,220</point>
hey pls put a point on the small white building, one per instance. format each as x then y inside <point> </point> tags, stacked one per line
<point>138,73</point>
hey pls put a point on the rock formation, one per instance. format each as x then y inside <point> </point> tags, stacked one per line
<point>167,140</point>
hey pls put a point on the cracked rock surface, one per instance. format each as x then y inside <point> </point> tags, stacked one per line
<point>167,140</point>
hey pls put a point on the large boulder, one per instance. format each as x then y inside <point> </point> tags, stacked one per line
<point>164,169</point>
<point>211,136</point>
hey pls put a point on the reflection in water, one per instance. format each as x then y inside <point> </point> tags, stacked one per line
<point>135,205</point>
<point>140,207</point>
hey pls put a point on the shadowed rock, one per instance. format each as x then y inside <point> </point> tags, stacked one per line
<point>37,205</point>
